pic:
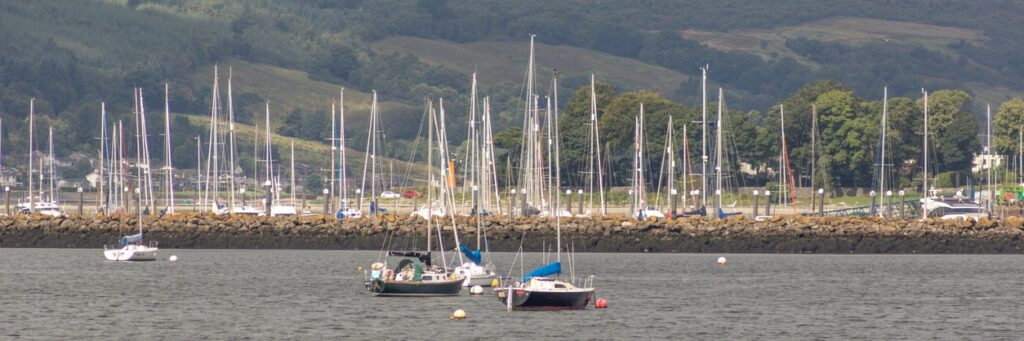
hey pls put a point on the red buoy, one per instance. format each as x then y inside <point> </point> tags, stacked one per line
<point>601,303</point>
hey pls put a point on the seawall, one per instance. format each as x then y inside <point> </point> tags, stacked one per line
<point>787,234</point>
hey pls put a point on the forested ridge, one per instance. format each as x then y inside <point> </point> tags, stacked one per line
<point>71,56</point>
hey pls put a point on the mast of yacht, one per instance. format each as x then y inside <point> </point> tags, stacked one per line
<point>430,171</point>
<point>595,144</point>
<point>814,156</point>
<point>670,152</point>
<point>990,205</point>
<point>31,151</point>
<point>231,147</point>
<point>686,168</point>
<point>101,198</point>
<point>924,187</point>
<point>489,156</point>
<point>341,148</point>
<point>212,168</point>
<point>558,178</point>
<point>268,171</point>
<point>167,148</point>
<point>704,136</point>
<point>332,188</point>
<point>292,160</point>
<point>881,165</point>
<point>718,153</point>
<point>49,163</point>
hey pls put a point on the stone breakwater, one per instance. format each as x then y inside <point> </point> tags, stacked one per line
<point>791,234</point>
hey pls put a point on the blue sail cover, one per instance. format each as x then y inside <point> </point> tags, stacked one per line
<point>472,255</point>
<point>546,270</point>
<point>135,238</point>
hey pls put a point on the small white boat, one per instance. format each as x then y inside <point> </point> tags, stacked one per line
<point>131,253</point>
<point>427,211</point>
<point>247,210</point>
<point>649,212</point>
<point>476,274</point>
<point>45,208</point>
<point>349,213</point>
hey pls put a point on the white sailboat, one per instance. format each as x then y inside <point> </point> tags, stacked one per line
<point>38,203</point>
<point>643,211</point>
<point>133,248</point>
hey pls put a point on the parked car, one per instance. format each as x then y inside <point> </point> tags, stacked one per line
<point>411,194</point>
<point>389,195</point>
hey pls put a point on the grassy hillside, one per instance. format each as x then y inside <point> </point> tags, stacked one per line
<point>774,44</point>
<point>313,153</point>
<point>289,89</point>
<point>506,62</point>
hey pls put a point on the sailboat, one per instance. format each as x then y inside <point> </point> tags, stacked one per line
<point>639,185</point>
<point>38,203</point>
<point>273,207</point>
<point>345,210</point>
<point>535,290</point>
<point>415,274</point>
<point>133,248</point>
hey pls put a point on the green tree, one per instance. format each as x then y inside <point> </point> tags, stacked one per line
<point>574,125</point>
<point>1007,125</point>
<point>954,130</point>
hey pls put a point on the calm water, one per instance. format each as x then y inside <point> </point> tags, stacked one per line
<point>222,294</point>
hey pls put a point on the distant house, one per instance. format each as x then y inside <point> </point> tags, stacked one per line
<point>983,162</point>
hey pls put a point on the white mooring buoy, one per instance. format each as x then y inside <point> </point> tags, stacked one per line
<point>173,258</point>
<point>476,290</point>
<point>722,261</point>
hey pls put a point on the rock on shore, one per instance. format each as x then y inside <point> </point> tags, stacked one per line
<point>788,234</point>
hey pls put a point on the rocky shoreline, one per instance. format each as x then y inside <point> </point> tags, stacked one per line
<point>787,234</point>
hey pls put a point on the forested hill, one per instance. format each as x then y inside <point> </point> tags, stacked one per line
<point>71,55</point>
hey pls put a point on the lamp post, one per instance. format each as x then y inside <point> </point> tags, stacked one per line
<point>125,201</point>
<point>242,192</point>
<point>512,202</point>
<point>768,203</point>
<point>872,194</point>
<point>755,202</point>
<point>568,201</point>
<point>903,205</point>
<point>326,201</point>
<point>359,202</point>
<point>718,203</point>
<point>80,195</point>
<point>580,192</point>
<point>7,199</point>
<point>522,203</point>
<point>888,209</point>
<point>821,202</point>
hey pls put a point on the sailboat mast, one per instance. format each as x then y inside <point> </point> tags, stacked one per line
<point>292,160</point>
<point>881,165</point>
<point>814,156</point>
<point>430,170</point>
<point>988,155</point>
<point>341,147</point>
<point>167,149</point>
<point>670,141</point>
<point>718,151</point>
<point>704,135</point>
<point>925,189</point>
<point>101,199</point>
<point>686,166</point>
<point>31,151</point>
<point>558,177</point>
<point>332,189</point>
<point>231,146</point>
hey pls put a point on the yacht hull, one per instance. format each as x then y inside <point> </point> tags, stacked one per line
<point>533,299</point>
<point>131,255</point>
<point>415,288</point>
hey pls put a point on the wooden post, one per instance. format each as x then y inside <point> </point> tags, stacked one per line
<point>80,197</point>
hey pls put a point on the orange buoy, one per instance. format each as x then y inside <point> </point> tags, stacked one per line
<point>458,314</point>
<point>601,303</point>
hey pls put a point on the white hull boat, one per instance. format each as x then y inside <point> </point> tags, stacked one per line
<point>131,253</point>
